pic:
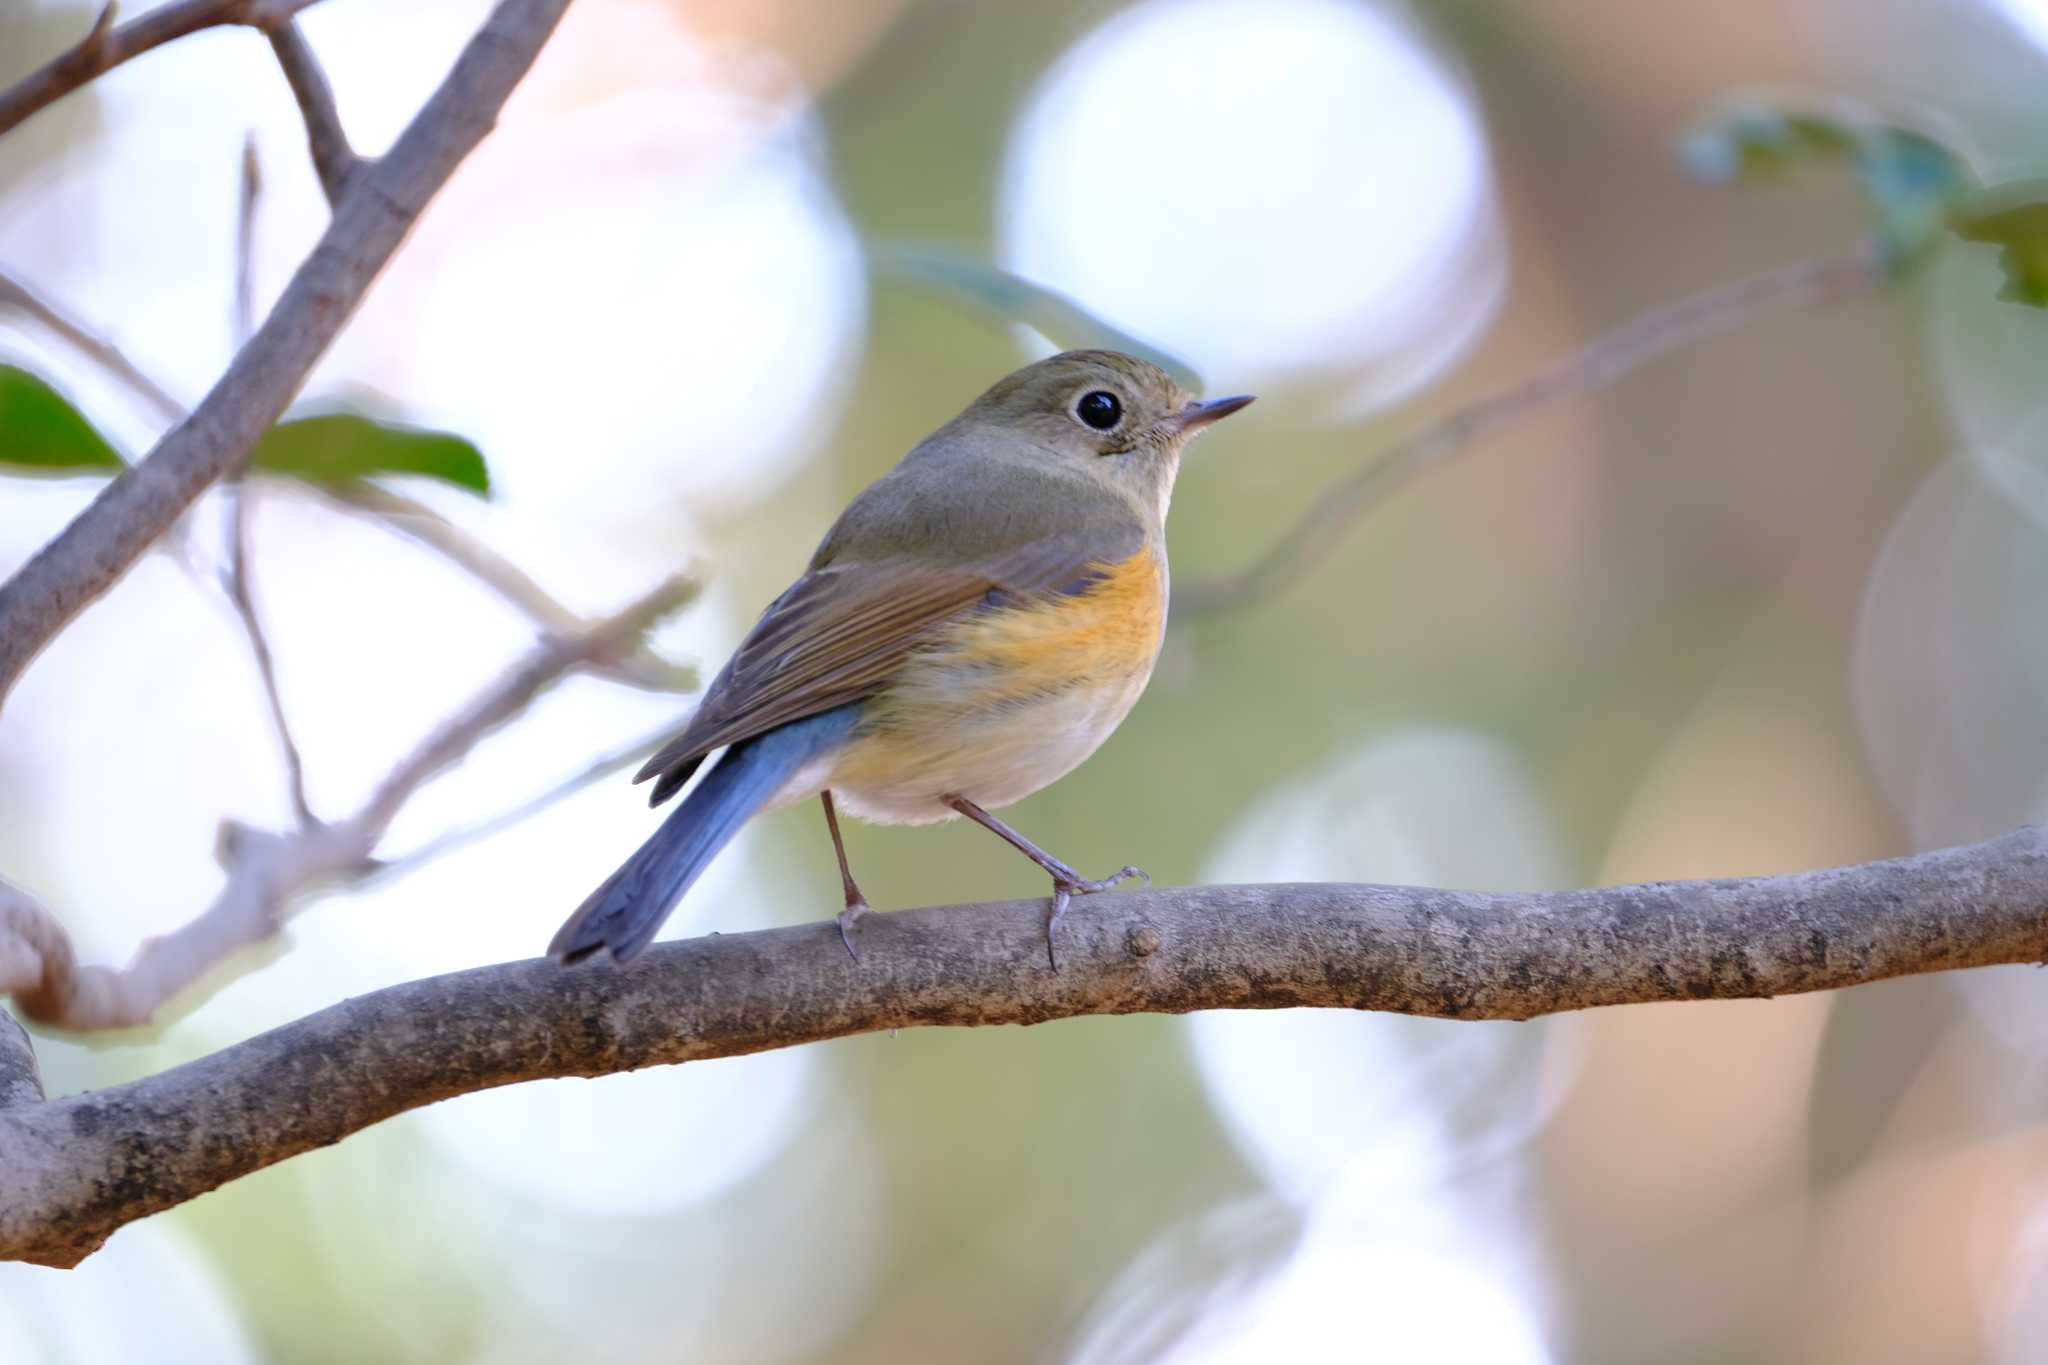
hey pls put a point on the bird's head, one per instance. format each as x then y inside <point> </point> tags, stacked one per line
<point>1118,420</point>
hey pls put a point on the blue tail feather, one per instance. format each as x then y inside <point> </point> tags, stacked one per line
<point>624,913</point>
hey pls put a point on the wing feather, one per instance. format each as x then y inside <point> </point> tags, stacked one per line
<point>841,632</point>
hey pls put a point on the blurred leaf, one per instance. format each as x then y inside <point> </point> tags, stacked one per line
<point>1911,179</point>
<point>2014,218</point>
<point>1013,298</point>
<point>1750,141</point>
<point>342,447</point>
<point>41,432</point>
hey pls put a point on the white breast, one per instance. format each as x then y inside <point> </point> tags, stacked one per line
<point>994,757</point>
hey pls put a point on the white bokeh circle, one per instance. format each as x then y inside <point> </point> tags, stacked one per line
<point>1951,665</point>
<point>687,338</point>
<point>148,1294</point>
<point>2030,17</point>
<point>1422,1304</point>
<point>1989,353</point>
<point>1390,1140</point>
<point>1951,688</point>
<point>636,1145</point>
<point>1266,187</point>
<point>1247,1281</point>
<point>1315,1096</point>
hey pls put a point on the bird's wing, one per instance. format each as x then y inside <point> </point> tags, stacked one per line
<point>843,630</point>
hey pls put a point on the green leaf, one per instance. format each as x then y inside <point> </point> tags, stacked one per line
<point>1012,298</point>
<point>342,447</point>
<point>42,433</point>
<point>1911,178</point>
<point>2014,218</point>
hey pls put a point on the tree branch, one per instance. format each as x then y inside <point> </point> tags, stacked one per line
<point>1644,338</point>
<point>334,161</point>
<point>267,870</point>
<point>639,667</point>
<point>596,647</point>
<point>73,1170</point>
<point>380,207</point>
<point>626,755</point>
<point>21,1081</point>
<point>106,47</point>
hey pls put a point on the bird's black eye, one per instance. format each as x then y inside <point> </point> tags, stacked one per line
<point>1099,409</point>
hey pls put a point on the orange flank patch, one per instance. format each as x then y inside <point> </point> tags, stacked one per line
<point>1107,634</point>
<point>1021,690</point>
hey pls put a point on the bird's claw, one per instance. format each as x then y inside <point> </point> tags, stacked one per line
<point>847,919</point>
<point>1064,889</point>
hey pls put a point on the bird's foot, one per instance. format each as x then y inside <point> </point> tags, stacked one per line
<point>856,906</point>
<point>1065,888</point>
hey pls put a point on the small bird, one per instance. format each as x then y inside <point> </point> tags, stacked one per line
<point>974,625</point>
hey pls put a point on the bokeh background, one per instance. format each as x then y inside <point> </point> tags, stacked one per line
<point>1772,603</point>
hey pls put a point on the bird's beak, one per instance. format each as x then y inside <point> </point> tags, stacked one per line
<point>1198,414</point>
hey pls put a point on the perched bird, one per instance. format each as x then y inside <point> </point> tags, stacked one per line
<point>977,621</point>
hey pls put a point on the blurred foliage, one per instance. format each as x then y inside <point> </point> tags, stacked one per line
<point>2014,218</point>
<point>1910,178</point>
<point>41,432</point>
<point>1918,185</point>
<point>342,447</point>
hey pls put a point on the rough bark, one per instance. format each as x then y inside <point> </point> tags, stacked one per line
<point>74,1169</point>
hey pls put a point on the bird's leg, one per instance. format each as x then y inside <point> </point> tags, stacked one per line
<point>856,903</point>
<point>1066,882</point>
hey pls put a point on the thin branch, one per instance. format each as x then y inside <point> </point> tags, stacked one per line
<point>594,647</point>
<point>109,357</point>
<point>72,1170</point>
<point>14,294</point>
<point>1809,284</point>
<point>266,871</point>
<point>640,667</point>
<point>334,161</point>
<point>418,522</point>
<point>382,202</point>
<point>238,581</point>
<point>106,47</point>
<point>249,195</point>
<point>235,582</point>
<point>625,756</point>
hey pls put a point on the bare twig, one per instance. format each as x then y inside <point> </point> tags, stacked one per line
<point>14,294</point>
<point>72,1170</point>
<point>1644,338</point>
<point>416,521</point>
<point>106,47</point>
<point>266,871</point>
<point>109,357</point>
<point>593,647</point>
<point>249,196</point>
<point>237,582</point>
<point>334,161</point>
<point>623,757</point>
<point>639,667</point>
<point>382,202</point>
